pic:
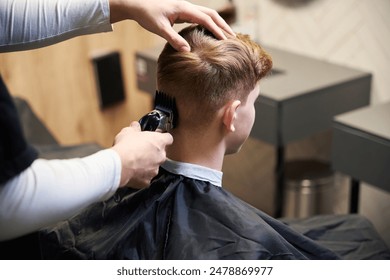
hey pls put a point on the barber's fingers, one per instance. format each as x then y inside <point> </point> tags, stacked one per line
<point>135,125</point>
<point>212,21</point>
<point>207,17</point>
<point>160,140</point>
<point>204,16</point>
<point>143,180</point>
<point>165,138</point>
<point>175,40</point>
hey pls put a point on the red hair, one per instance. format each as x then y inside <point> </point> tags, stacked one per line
<point>212,73</point>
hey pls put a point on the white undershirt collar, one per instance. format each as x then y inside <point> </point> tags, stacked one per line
<point>194,171</point>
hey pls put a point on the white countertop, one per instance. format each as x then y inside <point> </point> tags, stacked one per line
<point>374,119</point>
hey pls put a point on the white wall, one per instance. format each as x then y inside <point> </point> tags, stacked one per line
<point>354,33</point>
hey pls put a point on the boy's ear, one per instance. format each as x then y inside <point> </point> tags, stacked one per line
<point>230,114</point>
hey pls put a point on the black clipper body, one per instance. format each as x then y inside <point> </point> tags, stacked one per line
<point>164,116</point>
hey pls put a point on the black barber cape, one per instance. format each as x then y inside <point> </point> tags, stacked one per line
<point>180,216</point>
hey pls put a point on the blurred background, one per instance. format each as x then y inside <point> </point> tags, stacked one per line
<point>59,83</point>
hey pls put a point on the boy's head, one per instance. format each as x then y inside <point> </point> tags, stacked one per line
<point>213,74</point>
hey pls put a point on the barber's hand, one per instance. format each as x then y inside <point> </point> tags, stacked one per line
<point>158,16</point>
<point>141,154</point>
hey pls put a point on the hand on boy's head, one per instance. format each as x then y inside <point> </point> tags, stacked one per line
<point>141,154</point>
<point>159,16</point>
<point>206,17</point>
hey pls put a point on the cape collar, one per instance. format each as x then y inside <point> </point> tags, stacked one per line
<point>194,171</point>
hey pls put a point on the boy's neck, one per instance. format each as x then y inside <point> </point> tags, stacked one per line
<point>204,149</point>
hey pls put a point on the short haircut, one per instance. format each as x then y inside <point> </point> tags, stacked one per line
<point>212,73</point>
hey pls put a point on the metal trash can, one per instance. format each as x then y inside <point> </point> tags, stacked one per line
<point>309,188</point>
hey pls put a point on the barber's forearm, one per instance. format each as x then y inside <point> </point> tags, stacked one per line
<point>29,24</point>
<point>125,9</point>
<point>54,190</point>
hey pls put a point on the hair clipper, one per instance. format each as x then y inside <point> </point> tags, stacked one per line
<point>164,116</point>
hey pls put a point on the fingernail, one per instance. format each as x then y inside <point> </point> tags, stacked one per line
<point>185,49</point>
<point>134,124</point>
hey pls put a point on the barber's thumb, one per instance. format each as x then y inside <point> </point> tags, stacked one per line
<point>168,139</point>
<point>135,125</point>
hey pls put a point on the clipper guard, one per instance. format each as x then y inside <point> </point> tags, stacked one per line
<point>164,116</point>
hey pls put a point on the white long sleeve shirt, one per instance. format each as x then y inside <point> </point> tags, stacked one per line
<point>53,190</point>
<point>50,191</point>
<point>29,24</point>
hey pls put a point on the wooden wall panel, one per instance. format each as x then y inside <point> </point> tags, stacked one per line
<point>58,81</point>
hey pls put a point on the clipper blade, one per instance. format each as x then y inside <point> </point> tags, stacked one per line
<point>164,116</point>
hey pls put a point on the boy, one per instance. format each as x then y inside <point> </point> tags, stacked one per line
<point>185,213</point>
